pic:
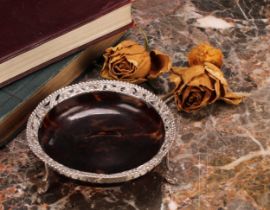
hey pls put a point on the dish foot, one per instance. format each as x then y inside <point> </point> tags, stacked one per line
<point>47,180</point>
<point>164,170</point>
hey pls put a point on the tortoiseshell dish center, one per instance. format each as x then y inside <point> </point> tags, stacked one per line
<point>102,132</point>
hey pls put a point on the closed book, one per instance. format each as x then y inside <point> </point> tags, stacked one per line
<point>18,99</point>
<point>37,33</point>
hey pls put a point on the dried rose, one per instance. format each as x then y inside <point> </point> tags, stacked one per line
<point>205,53</point>
<point>131,62</point>
<point>200,85</point>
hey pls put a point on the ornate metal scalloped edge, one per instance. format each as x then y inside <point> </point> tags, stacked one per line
<point>100,85</point>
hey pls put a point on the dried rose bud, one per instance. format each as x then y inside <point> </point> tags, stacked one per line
<point>205,53</point>
<point>131,62</point>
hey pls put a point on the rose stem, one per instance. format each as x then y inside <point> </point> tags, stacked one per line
<point>146,41</point>
<point>167,98</point>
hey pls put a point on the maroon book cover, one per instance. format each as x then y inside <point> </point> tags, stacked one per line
<point>26,24</point>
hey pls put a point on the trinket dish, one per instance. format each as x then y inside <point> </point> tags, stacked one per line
<point>101,131</point>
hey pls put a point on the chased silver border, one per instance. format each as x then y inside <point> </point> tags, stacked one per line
<point>57,97</point>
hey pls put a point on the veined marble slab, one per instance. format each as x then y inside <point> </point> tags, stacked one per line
<point>221,158</point>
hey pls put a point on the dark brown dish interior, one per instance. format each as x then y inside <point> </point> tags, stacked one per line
<point>102,132</point>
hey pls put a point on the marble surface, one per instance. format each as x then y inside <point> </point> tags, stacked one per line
<point>221,157</point>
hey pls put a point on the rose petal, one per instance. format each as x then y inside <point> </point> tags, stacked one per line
<point>178,102</point>
<point>181,97</point>
<point>160,63</point>
<point>136,57</point>
<point>175,79</point>
<point>199,95</point>
<point>189,74</point>
<point>202,80</point>
<point>125,48</point>
<point>184,94</point>
<point>113,63</point>
<point>233,98</point>
<point>133,50</point>
<point>114,59</point>
<point>106,75</point>
<point>215,94</point>
<point>206,98</point>
<point>118,72</point>
<point>129,47</point>
<point>189,109</point>
<point>176,76</point>
<point>178,70</point>
<point>106,59</point>
<point>216,73</point>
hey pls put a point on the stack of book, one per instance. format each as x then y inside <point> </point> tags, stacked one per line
<point>45,45</point>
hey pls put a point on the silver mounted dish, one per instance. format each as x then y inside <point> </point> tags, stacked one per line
<point>101,131</point>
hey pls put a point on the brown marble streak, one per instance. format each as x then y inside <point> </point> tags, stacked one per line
<point>220,160</point>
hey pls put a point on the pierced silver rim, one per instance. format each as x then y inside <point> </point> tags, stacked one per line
<point>57,97</point>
